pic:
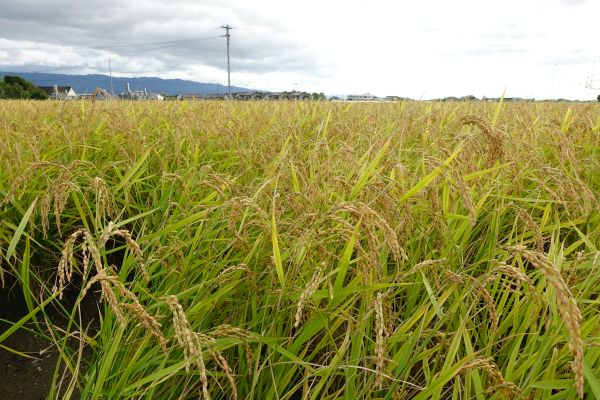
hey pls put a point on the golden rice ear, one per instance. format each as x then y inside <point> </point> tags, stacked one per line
<point>493,137</point>
<point>232,331</point>
<point>466,195</point>
<point>135,248</point>
<point>90,251</point>
<point>489,301</point>
<point>310,289</point>
<point>66,264</point>
<point>110,231</point>
<point>209,342</point>
<point>102,196</point>
<point>516,274</point>
<point>108,283</point>
<point>370,219</point>
<point>107,293</point>
<point>428,263</point>
<point>535,230</point>
<point>567,307</point>
<point>44,211</point>
<point>188,341</point>
<point>380,335</point>
<point>509,389</point>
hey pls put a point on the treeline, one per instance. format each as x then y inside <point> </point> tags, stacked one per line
<point>15,87</point>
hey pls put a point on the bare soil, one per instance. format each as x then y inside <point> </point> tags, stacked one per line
<point>31,378</point>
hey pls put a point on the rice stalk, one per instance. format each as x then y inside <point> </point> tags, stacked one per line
<point>567,306</point>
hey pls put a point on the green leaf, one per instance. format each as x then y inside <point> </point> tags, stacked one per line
<point>25,274</point>
<point>430,176</point>
<point>436,306</point>
<point>133,170</point>
<point>591,378</point>
<point>368,171</point>
<point>345,261</point>
<point>498,109</point>
<point>550,384</point>
<point>295,182</point>
<point>276,252</point>
<point>19,231</point>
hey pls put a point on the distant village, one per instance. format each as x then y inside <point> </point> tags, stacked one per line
<point>68,93</point>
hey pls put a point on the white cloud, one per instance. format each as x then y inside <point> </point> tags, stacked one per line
<point>540,48</point>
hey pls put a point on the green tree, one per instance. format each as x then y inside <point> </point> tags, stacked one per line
<point>17,80</point>
<point>598,97</point>
<point>38,94</point>
<point>15,87</point>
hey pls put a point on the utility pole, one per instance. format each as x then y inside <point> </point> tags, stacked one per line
<point>227,35</point>
<point>589,84</point>
<point>111,83</point>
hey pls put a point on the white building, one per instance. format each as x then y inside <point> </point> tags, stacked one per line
<point>59,92</point>
<point>129,94</point>
<point>363,97</point>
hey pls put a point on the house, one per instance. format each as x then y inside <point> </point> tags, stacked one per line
<point>396,98</point>
<point>190,96</point>
<point>248,95</point>
<point>275,96</point>
<point>98,94</point>
<point>293,95</point>
<point>59,92</point>
<point>362,97</point>
<point>216,96</point>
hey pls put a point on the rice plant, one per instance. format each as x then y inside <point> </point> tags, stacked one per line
<point>305,250</point>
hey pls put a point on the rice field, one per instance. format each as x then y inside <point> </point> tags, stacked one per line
<point>310,250</point>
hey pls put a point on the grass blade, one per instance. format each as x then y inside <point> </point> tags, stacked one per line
<point>19,231</point>
<point>276,253</point>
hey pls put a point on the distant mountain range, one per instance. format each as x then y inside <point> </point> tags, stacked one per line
<point>88,83</point>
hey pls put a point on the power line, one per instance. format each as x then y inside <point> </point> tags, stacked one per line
<point>591,82</point>
<point>146,44</point>
<point>140,46</point>
<point>151,46</point>
<point>139,50</point>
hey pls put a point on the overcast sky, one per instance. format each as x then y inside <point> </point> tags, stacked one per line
<point>419,49</point>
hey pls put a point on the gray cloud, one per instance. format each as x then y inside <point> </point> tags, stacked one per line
<point>122,31</point>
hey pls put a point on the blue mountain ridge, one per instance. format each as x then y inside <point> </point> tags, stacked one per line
<point>88,83</point>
